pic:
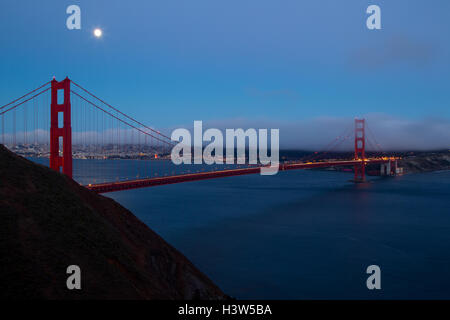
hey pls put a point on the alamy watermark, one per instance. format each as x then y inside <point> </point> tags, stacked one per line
<point>74,280</point>
<point>374,280</point>
<point>235,142</point>
<point>73,21</point>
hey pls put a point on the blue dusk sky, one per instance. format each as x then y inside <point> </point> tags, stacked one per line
<point>304,66</point>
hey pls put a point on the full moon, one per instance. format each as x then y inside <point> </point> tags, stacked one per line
<point>98,32</point>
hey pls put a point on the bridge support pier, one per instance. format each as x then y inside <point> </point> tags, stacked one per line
<point>385,169</point>
<point>390,168</point>
<point>57,130</point>
<point>360,172</point>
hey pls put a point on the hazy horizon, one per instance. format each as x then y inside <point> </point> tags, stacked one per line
<point>307,68</point>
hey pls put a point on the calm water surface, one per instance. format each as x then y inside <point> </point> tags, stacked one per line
<point>308,234</point>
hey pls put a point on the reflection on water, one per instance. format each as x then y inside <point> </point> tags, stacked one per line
<point>87,171</point>
<point>307,234</point>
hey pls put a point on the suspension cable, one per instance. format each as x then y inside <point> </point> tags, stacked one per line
<point>117,118</point>
<point>125,115</point>
<point>4,106</point>
<point>374,139</point>
<point>13,107</point>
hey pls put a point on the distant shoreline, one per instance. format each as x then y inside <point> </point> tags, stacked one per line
<point>427,162</point>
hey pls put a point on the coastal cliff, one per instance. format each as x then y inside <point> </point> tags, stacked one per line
<point>425,162</point>
<point>48,222</point>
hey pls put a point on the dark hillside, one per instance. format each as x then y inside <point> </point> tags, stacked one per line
<point>48,222</point>
<point>426,162</point>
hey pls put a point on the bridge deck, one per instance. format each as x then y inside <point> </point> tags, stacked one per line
<point>150,182</point>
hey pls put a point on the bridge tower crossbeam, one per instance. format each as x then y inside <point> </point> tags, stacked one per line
<point>57,162</point>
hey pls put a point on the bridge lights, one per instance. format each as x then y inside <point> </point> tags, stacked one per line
<point>360,147</point>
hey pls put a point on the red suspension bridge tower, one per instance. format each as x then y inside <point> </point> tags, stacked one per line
<point>360,149</point>
<point>104,132</point>
<point>60,131</point>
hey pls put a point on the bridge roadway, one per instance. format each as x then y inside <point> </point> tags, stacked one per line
<point>158,181</point>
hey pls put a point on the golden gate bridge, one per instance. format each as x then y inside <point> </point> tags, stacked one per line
<point>65,123</point>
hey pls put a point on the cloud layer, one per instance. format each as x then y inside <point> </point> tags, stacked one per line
<point>398,49</point>
<point>391,133</point>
